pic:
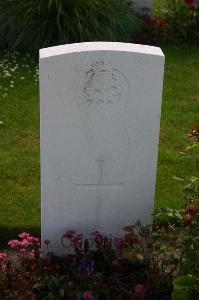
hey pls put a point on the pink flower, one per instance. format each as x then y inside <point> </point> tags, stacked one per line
<point>33,239</point>
<point>95,233</point>
<point>119,243</point>
<point>25,244</point>
<point>88,296</point>
<point>14,244</point>
<point>24,235</point>
<point>76,240</point>
<point>3,256</point>
<point>139,290</point>
<point>69,234</point>
<point>23,251</point>
<point>29,241</point>
<point>98,237</point>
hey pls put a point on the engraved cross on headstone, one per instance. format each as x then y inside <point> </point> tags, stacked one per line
<point>99,187</point>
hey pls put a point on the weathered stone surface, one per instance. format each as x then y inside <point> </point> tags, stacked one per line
<point>100,115</point>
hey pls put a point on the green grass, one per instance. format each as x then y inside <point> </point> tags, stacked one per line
<point>179,114</point>
<point>19,139</point>
<point>19,152</point>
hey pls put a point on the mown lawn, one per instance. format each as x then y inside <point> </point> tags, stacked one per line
<point>19,137</point>
<point>19,147</point>
<point>180,112</point>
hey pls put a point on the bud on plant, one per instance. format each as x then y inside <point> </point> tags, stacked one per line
<point>188,219</point>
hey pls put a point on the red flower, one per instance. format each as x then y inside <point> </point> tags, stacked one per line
<point>139,290</point>
<point>192,4</point>
<point>3,256</point>
<point>197,128</point>
<point>189,2</point>
<point>87,295</point>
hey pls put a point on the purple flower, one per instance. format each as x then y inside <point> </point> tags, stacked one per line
<point>74,260</point>
<point>88,295</point>
<point>86,266</point>
<point>139,290</point>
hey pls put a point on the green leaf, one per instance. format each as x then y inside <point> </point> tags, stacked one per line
<point>170,214</point>
<point>188,186</point>
<point>179,216</point>
<point>61,292</point>
<point>182,295</point>
<point>178,178</point>
<point>191,146</point>
<point>192,178</point>
<point>184,282</point>
<point>39,284</point>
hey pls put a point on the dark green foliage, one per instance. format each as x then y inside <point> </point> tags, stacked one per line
<point>172,21</point>
<point>32,24</point>
<point>185,287</point>
<point>182,20</point>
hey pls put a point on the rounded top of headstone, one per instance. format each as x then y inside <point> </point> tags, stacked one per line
<point>99,46</point>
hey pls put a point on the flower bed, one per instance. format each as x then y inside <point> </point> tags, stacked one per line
<point>147,262</point>
<point>144,264</point>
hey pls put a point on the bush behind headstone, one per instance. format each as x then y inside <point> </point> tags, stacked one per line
<point>29,25</point>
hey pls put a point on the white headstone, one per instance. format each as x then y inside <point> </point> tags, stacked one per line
<point>100,116</point>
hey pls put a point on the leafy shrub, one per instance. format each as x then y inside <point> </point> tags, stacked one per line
<point>155,31</point>
<point>177,21</point>
<point>29,25</point>
<point>184,19</point>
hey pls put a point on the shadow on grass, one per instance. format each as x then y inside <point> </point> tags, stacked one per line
<point>7,234</point>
